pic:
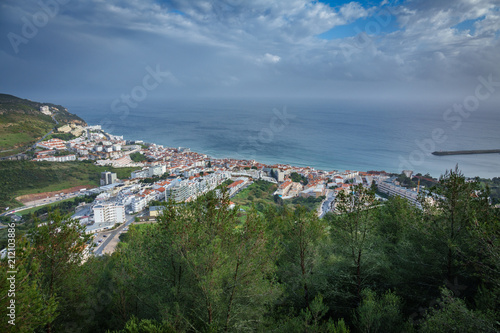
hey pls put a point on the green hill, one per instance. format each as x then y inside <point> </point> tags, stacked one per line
<point>22,123</point>
<point>26,177</point>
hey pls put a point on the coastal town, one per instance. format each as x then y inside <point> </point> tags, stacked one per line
<point>179,174</point>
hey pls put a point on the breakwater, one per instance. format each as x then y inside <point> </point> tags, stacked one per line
<point>466,152</point>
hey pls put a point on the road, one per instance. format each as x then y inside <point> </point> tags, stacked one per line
<point>41,202</point>
<point>34,146</point>
<point>110,235</point>
<point>51,131</point>
<point>326,204</point>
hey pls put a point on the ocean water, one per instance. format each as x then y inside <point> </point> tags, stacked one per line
<point>325,134</point>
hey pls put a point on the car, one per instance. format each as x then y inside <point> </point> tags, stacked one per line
<point>100,240</point>
<point>104,235</point>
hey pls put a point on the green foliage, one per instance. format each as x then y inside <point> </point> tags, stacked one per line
<point>62,136</point>
<point>21,123</point>
<point>134,325</point>
<point>301,233</point>
<point>379,314</point>
<point>65,206</point>
<point>311,203</point>
<point>25,177</point>
<point>452,315</point>
<point>33,308</point>
<point>138,157</point>
<point>406,181</point>
<point>493,185</point>
<point>370,267</point>
<point>155,179</point>
<point>216,272</point>
<point>311,320</point>
<point>354,228</point>
<point>258,194</point>
<point>295,177</point>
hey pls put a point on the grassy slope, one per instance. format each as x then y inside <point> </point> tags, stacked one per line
<point>34,209</point>
<point>26,177</point>
<point>22,124</point>
<point>19,131</point>
<point>260,192</point>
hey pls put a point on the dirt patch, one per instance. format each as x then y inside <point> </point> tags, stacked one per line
<point>38,196</point>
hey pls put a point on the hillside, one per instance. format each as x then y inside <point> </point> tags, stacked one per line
<point>25,177</point>
<point>22,123</point>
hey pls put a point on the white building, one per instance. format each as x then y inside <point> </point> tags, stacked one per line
<point>391,189</point>
<point>139,174</point>
<point>179,191</point>
<point>109,212</point>
<point>138,203</point>
<point>157,170</point>
<point>45,110</point>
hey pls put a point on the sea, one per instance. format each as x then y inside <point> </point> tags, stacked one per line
<point>327,134</point>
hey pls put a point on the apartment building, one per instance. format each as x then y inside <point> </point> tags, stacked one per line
<point>109,212</point>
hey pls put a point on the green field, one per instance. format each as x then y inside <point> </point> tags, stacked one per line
<point>26,177</point>
<point>19,131</point>
<point>260,193</point>
<point>22,124</point>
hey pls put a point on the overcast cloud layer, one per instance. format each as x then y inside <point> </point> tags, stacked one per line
<point>53,49</point>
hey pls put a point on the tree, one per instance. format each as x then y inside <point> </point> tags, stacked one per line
<point>32,308</point>
<point>452,315</point>
<point>302,234</point>
<point>458,200</point>
<point>134,325</point>
<point>353,226</point>
<point>380,314</point>
<point>202,264</point>
<point>312,319</point>
<point>59,247</point>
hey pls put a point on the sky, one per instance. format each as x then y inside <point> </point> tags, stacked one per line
<point>404,50</point>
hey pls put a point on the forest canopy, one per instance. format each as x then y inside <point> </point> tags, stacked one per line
<point>204,267</point>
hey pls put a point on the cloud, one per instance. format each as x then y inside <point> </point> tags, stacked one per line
<point>207,46</point>
<point>269,59</point>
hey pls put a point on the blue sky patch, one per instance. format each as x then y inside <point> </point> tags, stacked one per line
<point>381,23</point>
<point>468,25</point>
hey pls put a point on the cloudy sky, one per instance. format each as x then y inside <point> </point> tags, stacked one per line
<point>52,49</point>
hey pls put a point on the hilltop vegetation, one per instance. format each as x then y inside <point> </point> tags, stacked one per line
<point>259,194</point>
<point>26,177</point>
<point>22,124</point>
<point>11,104</point>
<point>387,268</point>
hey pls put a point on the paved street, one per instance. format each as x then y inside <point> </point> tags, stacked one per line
<point>326,205</point>
<point>109,243</point>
